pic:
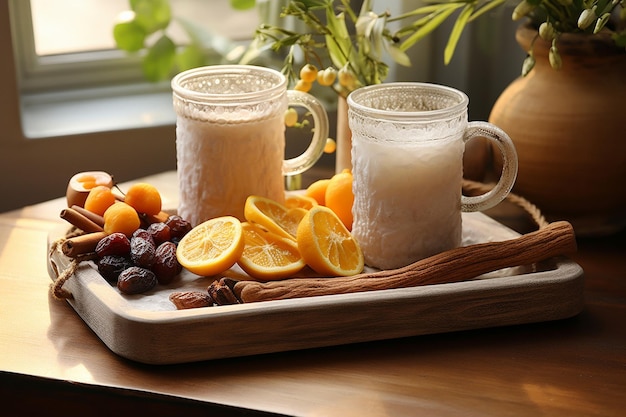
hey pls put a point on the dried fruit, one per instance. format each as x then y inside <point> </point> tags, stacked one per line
<point>166,265</point>
<point>160,232</point>
<point>113,244</point>
<point>111,266</point>
<point>184,300</point>
<point>179,227</point>
<point>99,199</point>
<point>136,280</point>
<point>121,217</point>
<point>144,198</point>
<point>142,251</point>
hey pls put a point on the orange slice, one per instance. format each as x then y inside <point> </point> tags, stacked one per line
<point>326,245</point>
<point>300,200</point>
<point>268,256</point>
<point>211,247</point>
<point>273,216</point>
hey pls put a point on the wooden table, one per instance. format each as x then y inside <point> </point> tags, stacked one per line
<point>51,361</point>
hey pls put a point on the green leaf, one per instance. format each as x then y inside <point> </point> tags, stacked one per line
<point>189,57</point>
<point>152,15</point>
<point>159,62</point>
<point>432,22</point>
<point>456,32</point>
<point>129,36</point>
<point>338,42</point>
<point>242,4</point>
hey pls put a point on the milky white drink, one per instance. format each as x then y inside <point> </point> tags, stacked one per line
<point>407,162</point>
<point>230,138</point>
<point>413,194</point>
<point>237,160</point>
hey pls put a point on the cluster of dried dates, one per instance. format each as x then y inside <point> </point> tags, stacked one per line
<point>137,264</point>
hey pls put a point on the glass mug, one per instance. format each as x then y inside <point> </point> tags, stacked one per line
<point>408,141</point>
<point>230,138</point>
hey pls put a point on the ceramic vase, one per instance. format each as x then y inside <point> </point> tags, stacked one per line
<point>569,130</point>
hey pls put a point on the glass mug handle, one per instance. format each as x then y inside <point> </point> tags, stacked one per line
<point>509,166</point>
<point>312,154</point>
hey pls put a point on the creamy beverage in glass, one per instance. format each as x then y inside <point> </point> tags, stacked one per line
<point>407,162</point>
<point>230,138</point>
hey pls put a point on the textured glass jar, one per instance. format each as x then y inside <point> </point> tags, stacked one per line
<point>407,162</point>
<point>230,138</point>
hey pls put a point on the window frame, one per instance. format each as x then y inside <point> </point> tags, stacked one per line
<point>65,71</point>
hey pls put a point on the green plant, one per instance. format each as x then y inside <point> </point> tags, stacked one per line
<point>354,43</point>
<point>144,29</point>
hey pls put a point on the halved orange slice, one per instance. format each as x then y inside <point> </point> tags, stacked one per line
<point>268,256</point>
<point>300,200</point>
<point>211,247</point>
<point>326,245</point>
<point>273,216</point>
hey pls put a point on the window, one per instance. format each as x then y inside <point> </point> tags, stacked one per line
<point>72,79</point>
<point>64,44</point>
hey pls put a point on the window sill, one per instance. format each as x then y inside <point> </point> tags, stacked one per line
<point>56,114</point>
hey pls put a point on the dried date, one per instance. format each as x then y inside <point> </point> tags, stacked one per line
<point>136,280</point>
<point>111,266</point>
<point>166,265</point>
<point>113,244</point>
<point>142,251</point>
<point>160,233</point>
<point>179,227</point>
<point>184,300</point>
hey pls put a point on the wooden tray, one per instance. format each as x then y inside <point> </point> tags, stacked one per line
<point>147,328</point>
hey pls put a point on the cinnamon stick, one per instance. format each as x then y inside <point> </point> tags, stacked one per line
<point>96,218</point>
<point>81,245</point>
<point>80,220</point>
<point>160,217</point>
<point>455,265</point>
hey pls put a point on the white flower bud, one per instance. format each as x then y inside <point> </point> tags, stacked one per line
<point>528,65</point>
<point>546,31</point>
<point>555,58</point>
<point>587,17</point>
<point>601,22</point>
<point>522,9</point>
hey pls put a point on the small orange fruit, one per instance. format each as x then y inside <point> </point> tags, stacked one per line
<point>99,199</point>
<point>339,196</point>
<point>317,190</point>
<point>145,198</point>
<point>273,216</point>
<point>268,256</point>
<point>327,246</point>
<point>308,73</point>
<point>120,217</point>
<point>212,246</point>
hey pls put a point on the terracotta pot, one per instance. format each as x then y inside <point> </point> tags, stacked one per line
<point>569,130</point>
